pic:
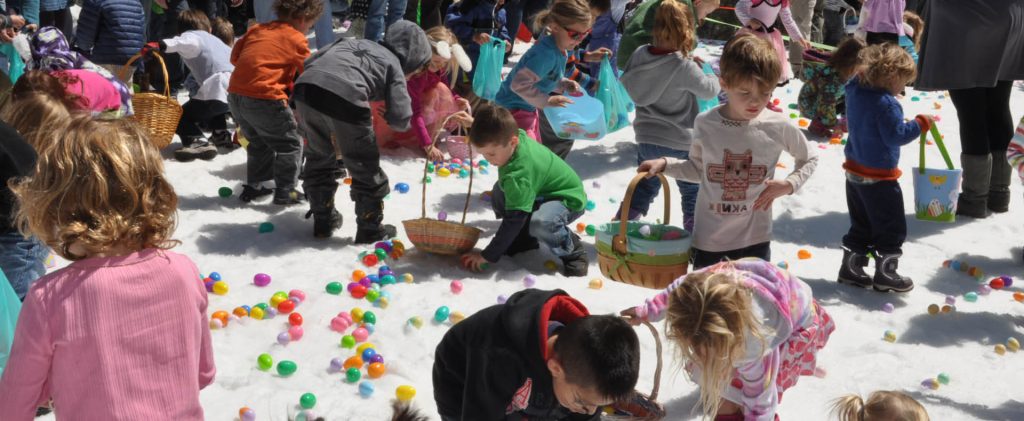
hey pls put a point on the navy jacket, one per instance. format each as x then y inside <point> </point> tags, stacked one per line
<point>486,17</point>
<point>110,31</point>
<point>877,131</point>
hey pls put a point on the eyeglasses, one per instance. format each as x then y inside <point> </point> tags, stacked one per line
<point>576,36</point>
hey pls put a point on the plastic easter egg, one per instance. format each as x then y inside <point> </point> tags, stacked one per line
<point>1007,281</point>
<point>943,378</point>
<point>366,389</point>
<point>442,216</point>
<point>995,283</point>
<point>984,289</point>
<point>456,317</point>
<point>357,314</point>
<point>591,229</point>
<point>456,287</point>
<point>402,188</point>
<point>951,300</point>
<point>441,314</point>
<point>388,280</point>
<point>377,358</point>
<point>803,254</point>
<point>220,287</point>
<point>369,317</point>
<point>277,299</point>
<point>930,384</point>
<point>948,308</point>
<point>266,227</point>
<point>529,281</point>
<point>370,260</point>
<point>286,306</point>
<point>261,280</point>
<point>590,205</point>
<point>296,332</point>
<point>307,401</point>
<point>580,227</point>
<point>375,370</point>
<point>408,278</point>
<point>888,307</point>
<point>596,283</point>
<point>257,313</point>
<point>334,288</point>
<point>368,354</point>
<point>372,296</point>
<point>381,254</point>
<point>1018,297</point>
<point>360,334</point>
<point>339,325</point>
<point>444,172</point>
<point>337,364</point>
<point>224,192</point>
<point>270,313</point>
<point>971,297</point>
<point>358,274</point>
<point>240,312</point>
<point>890,336</point>
<point>353,375</point>
<point>246,414</point>
<point>645,230</point>
<point>416,322</point>
<point>1000,349</point>
<point>1013,344</point>
<point>463,173</point>
<point>284,338</point>
<point>358,292</point>
<point>364,346</point>
<point>353,362</point>
<point>383,301</point>
<point>502,299</point>
<point>933,309</point>
<point>261,306</point>
<point>209,285</point>
<point>405,393</point>
<point>286,368</point>
<point>297,293</point>
<point>348,341</point>
<point>264,362</point>
<point>295,319</point>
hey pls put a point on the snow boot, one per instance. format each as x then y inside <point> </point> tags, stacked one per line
<point>369,215</point>
<point>223,141</point>
<point>249,193</point>
<point>326,218</point>
<point>852,270</point>
<point>198,148</point>
<point>999,184</point>
<point>886,279</point>
<point>575,264</point>
<point>288,197</point>
<point>977,178</point>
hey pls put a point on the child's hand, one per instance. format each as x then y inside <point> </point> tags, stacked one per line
<point>463,118</point>
<point>806,44</point>
<point>596,55</point>
<point>652,166</point>
<point>482,38</point>
<point>630,315</point>
<point>773,189</point>
<point>17,21</point>
<point>474,261</point>
<point>558,101</point>
<point>572,87</point>
<point>433,153</point>
<point>7,35</point>
<point>925,121</point>
<point>462,104</point>
<point>508,47</point>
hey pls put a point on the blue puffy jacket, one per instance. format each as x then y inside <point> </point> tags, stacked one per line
<point>53,5</point>
<point>110,31</point>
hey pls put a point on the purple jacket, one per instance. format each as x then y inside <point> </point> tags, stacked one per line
<point>884,16</point>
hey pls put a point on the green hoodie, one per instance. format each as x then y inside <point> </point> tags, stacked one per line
<point>639,28</point>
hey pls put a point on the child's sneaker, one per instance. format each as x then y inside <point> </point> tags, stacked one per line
<point>250,193</point>
<point>289,197</point>
<point>886,279</point>
<point>197,149</point>
<point>575,264</point>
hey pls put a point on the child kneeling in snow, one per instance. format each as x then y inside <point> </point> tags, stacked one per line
<point>538,356</point>
<point>536,196</point>
<point>823,98</point>
<point>747,331</point>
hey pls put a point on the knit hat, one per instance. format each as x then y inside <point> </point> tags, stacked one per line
<point>410,44</point>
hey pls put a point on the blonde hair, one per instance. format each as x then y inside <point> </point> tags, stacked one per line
<point>565,13</point>
<point>886,63</point>
<point>223,30</point>
<point>881,405</point>
<point>100,185</point>
<point>673,27</point>
<point>439,34</point>
<point>917,24</point>
<point>747,57</point>
<point>708,318</point>
<point>38,110</point>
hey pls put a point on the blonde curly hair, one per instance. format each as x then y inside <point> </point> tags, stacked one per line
<point>98,185</point>
<point>884,64</point>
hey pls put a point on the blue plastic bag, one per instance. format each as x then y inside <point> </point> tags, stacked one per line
<point>616,101</point>
<point>10,306</point>
<point>16,67</point>
<point>487,73</point>
<point>583,119</point>
<point>707,104</point>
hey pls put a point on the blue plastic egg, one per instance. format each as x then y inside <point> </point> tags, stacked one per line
<point>215,276</point>
<point>366,389</point>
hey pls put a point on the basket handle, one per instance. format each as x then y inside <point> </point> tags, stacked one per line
<point>123,73</point>
<point>938,142</point>
<point>620,241</point>
<point>426,166</point>
<point>657,368</point>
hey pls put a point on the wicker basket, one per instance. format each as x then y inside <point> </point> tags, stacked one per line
<point>159,114</point>
<point>442,237</point>
<point>457,144</point>
<point>631,260</point>
<point>641,407</point>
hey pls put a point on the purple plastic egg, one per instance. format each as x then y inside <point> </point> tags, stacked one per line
<point>337,364</point>
<point>261,279</point>
<point>502,299</point>
<point>283,338</point>
<point>442,216</point>
<point>377,358</point>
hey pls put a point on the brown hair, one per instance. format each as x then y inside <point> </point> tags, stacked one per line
<point>884,64</point>
<point>492,124</point>
<point>565,13</point>
<point>193,19</point>
<point>39,108</point>
<point>747,57</point>
<point>99,185</point>
<point>287,10</point>
<point>673,28</point>
<point>223,30</point>
<point>846,58</point>
<point>38,82</point>
<point>917,24</point>
<point>881,405</point>
<point>708,318</point>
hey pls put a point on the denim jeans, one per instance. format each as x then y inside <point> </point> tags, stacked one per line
<point>22,260</point>
<point>548,222</point>
<point>382,14</point>
<point>648,188</point>
<point>323,28</point>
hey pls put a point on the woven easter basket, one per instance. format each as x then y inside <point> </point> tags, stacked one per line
<point>457,145</point>
<point>159,114</point>
<point>624,256</point>
<point>641,407</point>
<point>442,237</point>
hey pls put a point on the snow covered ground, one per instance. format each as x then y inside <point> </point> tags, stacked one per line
<point>222,235</point>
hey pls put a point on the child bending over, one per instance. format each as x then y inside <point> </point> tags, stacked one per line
<point>882,405</point>
<point>823,97</point>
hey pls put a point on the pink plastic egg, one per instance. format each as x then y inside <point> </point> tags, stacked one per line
<point>295,332</point>
<point>360,334</point>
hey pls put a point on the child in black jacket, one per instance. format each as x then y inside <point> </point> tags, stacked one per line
<point>539,356</point>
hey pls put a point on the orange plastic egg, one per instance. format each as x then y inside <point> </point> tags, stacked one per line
<point>353,362</point>
<point>376,370</point>
<point>222,316</point>
<point>240,312</point>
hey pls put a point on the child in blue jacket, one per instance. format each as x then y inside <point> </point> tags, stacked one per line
<point>475,22</point>
<point>873,194</point>
<point>110,32</point>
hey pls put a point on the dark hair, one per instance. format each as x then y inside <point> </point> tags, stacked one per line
<point>602,6</point>
<point>298,9</point>
<point>492,124</point>
<point>602,351</point>
<point>405,412</point>
<point>193,20</point>
<point>223,30</point>
<point>846,58</point>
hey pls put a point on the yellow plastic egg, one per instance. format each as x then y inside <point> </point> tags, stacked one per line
<point>456,317</point>
<point>1013,345</point>
<point>357,315</point>
<point>596,283</point>
<point>405,393</point>
<point>220,287</point>
<point>363,347</point>
<point>256,313</point>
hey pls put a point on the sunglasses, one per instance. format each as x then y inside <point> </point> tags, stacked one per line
<point>576,36</point>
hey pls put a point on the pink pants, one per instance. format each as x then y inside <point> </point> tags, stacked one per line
<point>529,121</point>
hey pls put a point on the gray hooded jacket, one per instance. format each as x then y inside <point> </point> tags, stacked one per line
<point>665,89</point>
<point>361,71</point>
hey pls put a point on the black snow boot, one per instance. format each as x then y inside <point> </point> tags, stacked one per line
<point>369,215</point>
<point>326,218</point>
<point>575,264</point>
<point>852,270</point>
<point>886,279</point>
